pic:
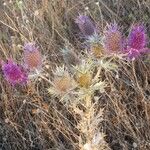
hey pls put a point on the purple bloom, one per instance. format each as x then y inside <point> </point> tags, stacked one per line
<point>86,25</point>
<point>137,42</point>
<point>32,56</point>
<point>113,41</point>
<point>137,38</point>
<point>14,73</point>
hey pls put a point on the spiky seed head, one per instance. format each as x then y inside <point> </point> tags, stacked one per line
<point>14,73</point>
<point>86,25</point>
<point>95,43</point>
<point>62,84</point>
<point>84,80</point>
<point>112,39</point>
<point>83,74</point>
<point>97,50</point>
<point>137,37</point>
<point>32,56</point>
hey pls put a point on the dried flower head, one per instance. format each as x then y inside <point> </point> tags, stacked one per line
<point>62,83</point>
<point>84,74</point>
<point>86,25</point>
<point>84,79</point>
<point>112,39</point>
<point>14,73</point>
<point>97,50</point>
<point>32,56</point>
<point>137,37</point>
<point>96,46</point>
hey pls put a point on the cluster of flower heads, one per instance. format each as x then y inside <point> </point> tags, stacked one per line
<point>17,74</point>
<point>112,39</point>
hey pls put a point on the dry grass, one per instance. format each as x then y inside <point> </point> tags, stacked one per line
<point>33,119</point>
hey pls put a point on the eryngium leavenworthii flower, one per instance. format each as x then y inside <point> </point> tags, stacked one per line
<point>137,42</point>
<point>137,37</point>
<point>96,46</point>
<point>32,56</point>
<point>113,41</point>
<point>14,73</point>
<point>86,25</point>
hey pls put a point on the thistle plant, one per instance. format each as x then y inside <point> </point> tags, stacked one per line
<point>95,95</point>
<point>137,42</point>
<point>83,74</point>
<point>33,60</point>
<point>88,82</point>
<point>137,38</point>
<point>96,46</point>
<point>112,40</point>
<point>86,25</point>
<point>32,56</point>
<point>62,84</point>
<point>80,89</point>
<point>14,73</point>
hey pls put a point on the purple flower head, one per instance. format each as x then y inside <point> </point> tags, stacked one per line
<point>14,73</point>
<point>32,56</point>
<point>113,41</point>
<point>137,42</point>
<point>137,37</point>
<point>86,25</point>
